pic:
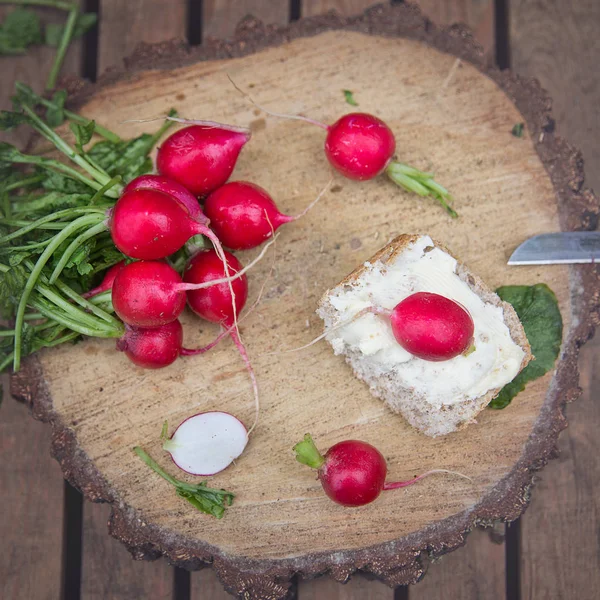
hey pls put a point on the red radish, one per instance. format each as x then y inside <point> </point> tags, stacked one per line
<point>157,347</point>
<point>201,157</point>
<point>171,187</point>
<point>148,224</point>
<point>151,293</point>
<point>243,215</point>
<point>148,294</point>
<point>220,303</point>
<point>352,473</point>
<point>107,282</point>
<point>360,146</point>
<point>152,347</point>
<point>207,443</point>
<point>432,327</point>
<point>429,326</point>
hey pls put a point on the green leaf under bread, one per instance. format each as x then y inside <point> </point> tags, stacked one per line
<point>537,308</point>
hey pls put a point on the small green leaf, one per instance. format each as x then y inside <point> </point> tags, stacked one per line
<point>57,182</point>
<point>20,29</point>
<point>349,96</point>
<point>83,133</point>
<point>538,311</point>
<point>55,31</point>
<point>517,130</point>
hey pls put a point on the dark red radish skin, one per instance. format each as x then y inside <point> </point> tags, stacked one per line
<point>360,146</point>
<point>107,282</point>
<point>152,347</point>
<point>243,215</point>
<point>214,303</point>
<point>201,157</point>
<point>432,327</point>
<point>148,224</point>
<point>352,472</point>
<point>172,188</point>
<point>148,294</point>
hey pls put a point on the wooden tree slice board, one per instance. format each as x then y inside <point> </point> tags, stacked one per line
<point>448,116</point>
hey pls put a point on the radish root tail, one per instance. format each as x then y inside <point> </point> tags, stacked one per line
<point>276,114</point>
<point>400,484</point>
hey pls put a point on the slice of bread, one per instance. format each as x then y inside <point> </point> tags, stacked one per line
<point>435,397</point>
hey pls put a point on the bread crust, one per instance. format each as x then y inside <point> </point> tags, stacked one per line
<point>428,419</point>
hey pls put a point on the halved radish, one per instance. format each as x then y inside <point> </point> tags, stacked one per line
<point>207,443</point>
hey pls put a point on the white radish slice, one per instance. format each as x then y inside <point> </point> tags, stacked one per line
<point>207,443</point>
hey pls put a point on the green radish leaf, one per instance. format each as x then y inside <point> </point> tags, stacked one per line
<point>128,158</point>
<point>517,130</point>
<point>12,284</point>
<point>51,202</point>
<point>20,29</point>
<point>83,134</point>
<point>54,31</point>
<point>55,115</point>
<point>57,182</point>
<point>9,120</point>
<point>349,96</point>
<point>537,308</point>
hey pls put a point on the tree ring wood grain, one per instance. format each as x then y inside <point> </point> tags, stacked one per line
<point>401,560</point>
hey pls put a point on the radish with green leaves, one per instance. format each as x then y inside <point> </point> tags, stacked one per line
<point>352,472</point>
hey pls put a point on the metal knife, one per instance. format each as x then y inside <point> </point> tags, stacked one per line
<point>567,247</point>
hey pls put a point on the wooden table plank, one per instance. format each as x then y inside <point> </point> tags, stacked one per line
<point>358,588</point>
<point>31,497</point>
<point>206,586</point>
<point>109,571</point>
<point>31,483</point>
<point>557,42</point>
<point>475,572</point>
<point>220,17</point>
<point>33,67</point>
<point>124,25</point>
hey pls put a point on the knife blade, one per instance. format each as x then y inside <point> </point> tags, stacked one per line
<point>567,247</point>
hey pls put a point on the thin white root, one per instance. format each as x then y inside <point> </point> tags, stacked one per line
<point>213,124</point>
<point>321,193</point>
<point>238,274</point>
<point>276,114</point>
<point>358,315</point>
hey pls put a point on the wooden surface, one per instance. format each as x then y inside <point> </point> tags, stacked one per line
<point>563,575</point>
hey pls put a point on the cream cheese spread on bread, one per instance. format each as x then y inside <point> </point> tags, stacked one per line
<point>423,267</point>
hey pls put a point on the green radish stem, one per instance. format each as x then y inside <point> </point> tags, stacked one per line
<point>58,239</point>
<point>99,175</point>
<point>73,246</point>
<point>420,183</point>
<point>55,165</point>
<point>102,131</point>
<point>24,182</point>
<point>31,225</point>
<point>62,47</point>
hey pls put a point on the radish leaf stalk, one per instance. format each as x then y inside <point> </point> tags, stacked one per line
<point>207,500</point>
